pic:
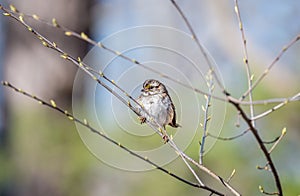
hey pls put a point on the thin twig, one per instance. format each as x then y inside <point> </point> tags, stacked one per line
<point>229,138</point>
<point>283,132</point>
<point>231,175</point>
<point>194,36</point>
<point>246,58</point>
<point>210,85</point>
<point>295,97</point>
<point>266,167</point>
<point>267,70</point>
<point>212,174</point>
<point>272,141</point>
<point>267,193</point>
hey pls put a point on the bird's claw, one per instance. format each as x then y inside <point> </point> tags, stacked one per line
<point>165,138</point>
<point>142,119</point>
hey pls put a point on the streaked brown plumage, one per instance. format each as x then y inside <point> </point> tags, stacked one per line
<point>156,100</point>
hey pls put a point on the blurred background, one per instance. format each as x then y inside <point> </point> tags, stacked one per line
<point>41,152</point>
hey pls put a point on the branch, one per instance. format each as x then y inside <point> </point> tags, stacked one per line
<point>194,36</point>
<point>210,85</point>
<point>266,193</point>
<point>246,58</point>
<point>260,143</point>
<point>85,123</point>
<point>229,138</point>
<point>273,109</point>
<point>216,177</point>
<point>283,132</point>
<point>277,58</point>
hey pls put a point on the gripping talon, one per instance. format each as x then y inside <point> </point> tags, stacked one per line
<point>142,119</point>
<point>165,138</point>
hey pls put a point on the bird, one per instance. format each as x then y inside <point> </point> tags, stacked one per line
<point>158,107</point>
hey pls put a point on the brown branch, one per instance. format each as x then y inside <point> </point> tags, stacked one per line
<point>229,138</point>
<point>212,174</point>
<point>85,123</point>
<point>266,193</point>
<point>260,143</point>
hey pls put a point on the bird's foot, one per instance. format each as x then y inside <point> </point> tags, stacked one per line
<point>165,138</point>
<point>142,119</point>
<point>164,135</point>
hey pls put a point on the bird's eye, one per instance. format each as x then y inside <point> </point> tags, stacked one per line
<point>151,87</point>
